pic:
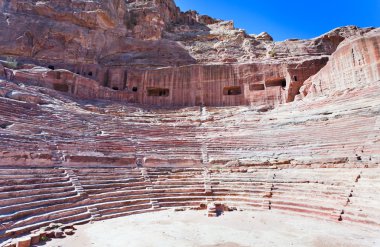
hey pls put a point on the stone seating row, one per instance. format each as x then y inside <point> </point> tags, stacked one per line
<point>32,198</point>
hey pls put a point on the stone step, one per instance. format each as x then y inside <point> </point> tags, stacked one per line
<point>34,198</point>
<point>18,177</point>
<point>28,228</point>
<point>314,205</point>
<point>112,185</point>
<point>15,182</point>
<point>38,210</point>
<point>95,199</point>
<point>53,190</point>
<point>361,220</point>
<point>115,190</point>
<point>95,216</point>
<point>305,210</point>
<point>113,210</point>
<point>194,186</point>
<point>114,204</point>
<point>181,204</point>
<point>110,181</point>
<point>121,214</point>
<point>237,199</point>
<point>310,197</point>
<point>30,205</point>
<point>16,188</point>
<point>243,191</point>
<point>27,172</point>
<point>48,216</point>
<point>179,199</point>
<point>307,214</point>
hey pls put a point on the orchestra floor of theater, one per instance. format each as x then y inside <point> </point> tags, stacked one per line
<point>233,229</point>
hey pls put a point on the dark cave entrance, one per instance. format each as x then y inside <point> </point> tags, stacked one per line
<point>158,92</point>
<point>277,82</point>
<point>232,90</point>
<point>61,87</point>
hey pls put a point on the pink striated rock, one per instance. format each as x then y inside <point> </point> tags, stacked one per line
<point>101,95</point>
<point>113,44</point>
<point>354,65</point>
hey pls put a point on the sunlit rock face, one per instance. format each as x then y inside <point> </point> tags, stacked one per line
<point>354,65</point>
<point>151,53</point>
<point>113,108</point>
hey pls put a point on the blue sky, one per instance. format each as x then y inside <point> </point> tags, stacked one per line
<point>289,18</point>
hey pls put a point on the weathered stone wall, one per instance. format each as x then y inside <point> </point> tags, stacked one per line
<point>67,82</point>
<point>123,49</point>
<point>355,64</point>
<point>259,84</point>
<point>193,85</point>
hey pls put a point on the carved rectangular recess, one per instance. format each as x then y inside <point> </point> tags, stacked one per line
<point>158,92</point>
<point>232,90</point>
<point>276,82</point>
<point>256,87</point>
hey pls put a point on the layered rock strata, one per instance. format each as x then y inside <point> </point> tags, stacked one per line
<point>84,136</point>
<point>121,47</point>
<point>355,64</point>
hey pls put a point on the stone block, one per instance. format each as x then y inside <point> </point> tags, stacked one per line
<point>24,242</point>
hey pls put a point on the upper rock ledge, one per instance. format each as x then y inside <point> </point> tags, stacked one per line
<point>151,33</point>
<point>152,53</point>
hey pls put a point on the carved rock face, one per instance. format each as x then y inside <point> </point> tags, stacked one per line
<point>75,147</point>
<point>125,32</point>
<point>355,64</point>
<point>120,48</point>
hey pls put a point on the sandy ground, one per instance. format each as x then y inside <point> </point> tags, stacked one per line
<point>233,229</point>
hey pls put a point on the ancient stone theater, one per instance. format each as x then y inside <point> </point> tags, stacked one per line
<point>114,108</point>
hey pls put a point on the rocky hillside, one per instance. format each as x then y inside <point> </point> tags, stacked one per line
<point>150,33</point>
<point>150,52</point>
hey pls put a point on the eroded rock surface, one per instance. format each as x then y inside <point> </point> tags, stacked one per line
<point>113,108</point>
<point>356,64</point>
<point>124,45</point>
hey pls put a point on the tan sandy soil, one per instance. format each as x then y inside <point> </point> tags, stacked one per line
<point>233,229</point>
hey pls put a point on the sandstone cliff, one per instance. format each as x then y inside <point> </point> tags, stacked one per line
<point>354,65</point>
<point>152,53</point>
<point>106,109</point>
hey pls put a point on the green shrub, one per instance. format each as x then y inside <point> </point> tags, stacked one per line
<point>44,238</point>
<point>10,63</point>
<point>272,53</point>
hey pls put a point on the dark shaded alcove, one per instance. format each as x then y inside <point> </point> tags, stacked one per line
<point>158,92</point>
<point>61,87</point>
<point>278,82</point>
<point>256,87</point>
<point>232,90</point>
<point>5,125</point>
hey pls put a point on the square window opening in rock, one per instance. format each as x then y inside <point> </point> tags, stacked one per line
<point>158,92</point>
<point>232,90</point>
